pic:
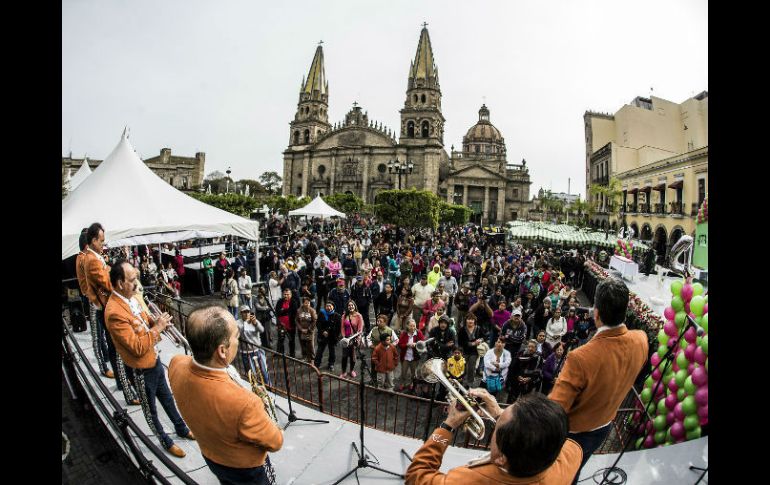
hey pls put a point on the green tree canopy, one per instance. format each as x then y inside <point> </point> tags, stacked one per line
<point>454,214</point>
<point>234,203</point>
<point>408,208</point>
<point>271,181</point>
<point>347,203</point>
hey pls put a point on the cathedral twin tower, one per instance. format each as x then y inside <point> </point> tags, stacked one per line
<point>352,156</point>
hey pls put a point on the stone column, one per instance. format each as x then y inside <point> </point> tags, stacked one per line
<point>288,167</point>
<point>333,172</point>
<point>500,203</point>
<point>465,194</point>
<point>306,176</point>
<point>486,203</point>
<point>450,192</point>
<point>365,179</point>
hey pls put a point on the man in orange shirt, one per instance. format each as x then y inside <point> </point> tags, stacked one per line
<point>135,335</point>
<point>529,445</point>
<point>233,429</point>
<point>96,274</point>
<point>598,375</point>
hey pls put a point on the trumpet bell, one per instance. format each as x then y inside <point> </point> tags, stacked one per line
<point>430,370</point>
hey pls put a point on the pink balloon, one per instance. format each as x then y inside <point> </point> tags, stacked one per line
<point>670,329</point>
<point>675,366</point>
<point>655,359</point>
<point>690,335</point>
<point>671,401</point>
<point>702,397</point>
<point>690,369</point>
<point>656,375</point>
<point>686,293</point>
<point>699,376</point>
<point>687,307</point>
<point>678,413</point>
<point>649,441</point>
<point>669,313</point>
<point>672,342</point>
<point>700,356</point>
<point>703,421</point>
<point>677,430</point>
<point>689,352</point>
<point>672,385</point>
<point>705,308</point>
<point>703,411</point>
<point>670,418</point>
<point>648,426</point>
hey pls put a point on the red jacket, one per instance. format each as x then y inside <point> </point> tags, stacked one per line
<point>403,339</point>
<point>384,360</point>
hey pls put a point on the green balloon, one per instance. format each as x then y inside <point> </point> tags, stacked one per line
<point>639,443</point>
<point>662,349</point>
<point>704,344</point>
<point>704,322</point>
<point>698,341</point>
<point>707,298</point>
<point>662,337</point>
<point>696,305</point>
<point>669,375</point>
<point>707,364</point>
<point>680,318</point>
<point>691,422</point>
<point>660,437</point>
<point>680,377</point>
<point>689,387</point>
<point>659,423</point>
<point>681,394</point>
<point>669,438</point>
<point>683,344</point>
<point>689,406</point>
<point>645,395</point>
<point>662,409</point>
<point>694,434</point>
<point>682,361</point>
<point>697,289</point>
<point>676,287</point>
<point>649,382</point>
<point>677,303</point>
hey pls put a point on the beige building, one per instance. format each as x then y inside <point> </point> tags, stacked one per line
<point>184,173</point>
<point>659,151</point>
<point>354,155</point>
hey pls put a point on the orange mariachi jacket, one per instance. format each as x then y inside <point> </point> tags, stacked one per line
<point>97,275</point>
<point>134,343</point>
<point>80,270</point>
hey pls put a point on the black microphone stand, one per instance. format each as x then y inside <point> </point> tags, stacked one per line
<point>291,414</point>
<point>668,358</point>
<point>363,458</point>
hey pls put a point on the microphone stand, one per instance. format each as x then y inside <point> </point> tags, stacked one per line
<point>668,358</point>
<point>291,414</point>
<point>363,459</point>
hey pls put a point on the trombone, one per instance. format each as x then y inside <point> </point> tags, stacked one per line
<point>422,345</point>
<point>171,332</point>
<point>433,371</point>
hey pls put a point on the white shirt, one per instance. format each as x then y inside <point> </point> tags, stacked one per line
<point>244,285</point>
<point>422,293</point>
<point>489,366</point>
<point>409,355</point>
<point>275,290</point>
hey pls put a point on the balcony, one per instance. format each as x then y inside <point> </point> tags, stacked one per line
<point>694,211</point>
<point>677,209</point>
<point>659,209</point>
<point>644,208</point>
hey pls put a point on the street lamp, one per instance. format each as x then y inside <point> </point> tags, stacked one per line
<point>399,168</point>
<point>227,186</point>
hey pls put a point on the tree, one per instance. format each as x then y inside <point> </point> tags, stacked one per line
<point>408,208</point>
<point>579,207</point>
<point>255,188</point>
<point>216,174</point>
<point>239,205</point>
<point>347,203</point>
<point>454,214</point>
<point>611,192</point>
<point>271,181</point>
<point>282,205</point>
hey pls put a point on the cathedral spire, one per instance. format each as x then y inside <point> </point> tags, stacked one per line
<point>424,66</point>
<point>316,78</point>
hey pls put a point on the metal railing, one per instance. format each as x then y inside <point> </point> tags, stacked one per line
<point>677,208</point>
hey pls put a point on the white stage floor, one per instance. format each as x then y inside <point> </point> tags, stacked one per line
<point>319,453</point>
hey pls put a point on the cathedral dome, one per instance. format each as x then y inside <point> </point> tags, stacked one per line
<point>483,130</point>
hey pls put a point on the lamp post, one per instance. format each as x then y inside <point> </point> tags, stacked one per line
<point>399,168</point>
<point>227,186</point>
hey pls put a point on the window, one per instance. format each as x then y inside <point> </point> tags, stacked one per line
<point>296,137</point>
<point>701,191</point>
<point>184,183</point>
<point>476,148</point>
<point>307,136</point>
<point>422,98</point>
<point>515,193</point>
<point>425,126</point>
<point>171,180</point>
<point>410,129</point>
<point>321,170</point>
<point>415,98</point>
<point>381,168</point>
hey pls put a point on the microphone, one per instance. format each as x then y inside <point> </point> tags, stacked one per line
<point>698,329</point>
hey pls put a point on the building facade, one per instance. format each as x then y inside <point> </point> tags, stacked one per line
<point>659,151</point>
<point>184,173</point>
<point>353,155</point>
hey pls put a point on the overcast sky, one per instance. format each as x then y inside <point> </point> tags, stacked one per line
<point>224,77</point>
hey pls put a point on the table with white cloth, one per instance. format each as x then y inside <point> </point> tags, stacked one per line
<point>626,267</point>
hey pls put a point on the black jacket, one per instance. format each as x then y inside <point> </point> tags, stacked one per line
<point>328,323</point>
<point>439,346</point>
<point>362,296</point>
<point>386,304</point>
<point>464,339</point>
<point>291,311</point>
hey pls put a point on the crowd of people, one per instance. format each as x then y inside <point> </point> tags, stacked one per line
<point>500,317</point>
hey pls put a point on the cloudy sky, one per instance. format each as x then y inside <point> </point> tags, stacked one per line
<point>224,77</point>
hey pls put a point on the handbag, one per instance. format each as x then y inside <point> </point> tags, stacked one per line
<point>494,383</point>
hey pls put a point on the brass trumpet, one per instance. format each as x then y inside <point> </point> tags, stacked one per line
<point>171,332</point>
<point>345,341</point>
<point>258,388</point>
<point>433,371</point>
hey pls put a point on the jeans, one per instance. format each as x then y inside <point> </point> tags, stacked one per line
<point>155,385</point>
<point>322,344</point>
<point>470,368</point>
<point>589,441</point>
<point>240,476</point>
<point>208,289</point>
<point>348,353</point>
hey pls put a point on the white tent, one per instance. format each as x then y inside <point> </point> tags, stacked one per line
<point>83,172</point>
<point>128,199</point>
<point>317,208</point>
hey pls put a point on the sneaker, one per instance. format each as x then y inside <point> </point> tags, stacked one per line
<point>353,374</point>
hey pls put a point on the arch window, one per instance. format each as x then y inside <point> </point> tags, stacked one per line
<point>296,137</point>
<point>410,129</point>
<point>321,170</point>
<point>307,136</point>
<point>425,129</point>
<point>422,98</point>
<point>415,98</point>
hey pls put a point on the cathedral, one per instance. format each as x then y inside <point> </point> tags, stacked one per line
<point>356,155</point>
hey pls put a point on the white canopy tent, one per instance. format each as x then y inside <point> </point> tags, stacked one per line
<point>129,200</point>
<point>83,172</point>
<point>317,208</point>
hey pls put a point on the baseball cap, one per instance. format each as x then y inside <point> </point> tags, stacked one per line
<point>517,312</point>
<point>244,308</point>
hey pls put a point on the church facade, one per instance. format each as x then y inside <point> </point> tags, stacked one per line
<point>353,155</point>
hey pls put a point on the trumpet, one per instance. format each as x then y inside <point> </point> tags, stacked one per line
<point>258,388</point>
<point>345,341</point>
<point>433,371</point>
<point>422,345</point>
<point>171,332</point>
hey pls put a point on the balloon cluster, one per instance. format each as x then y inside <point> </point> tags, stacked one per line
<point>680,405</point>
<point>624,248</point>
<point>703,212</point>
